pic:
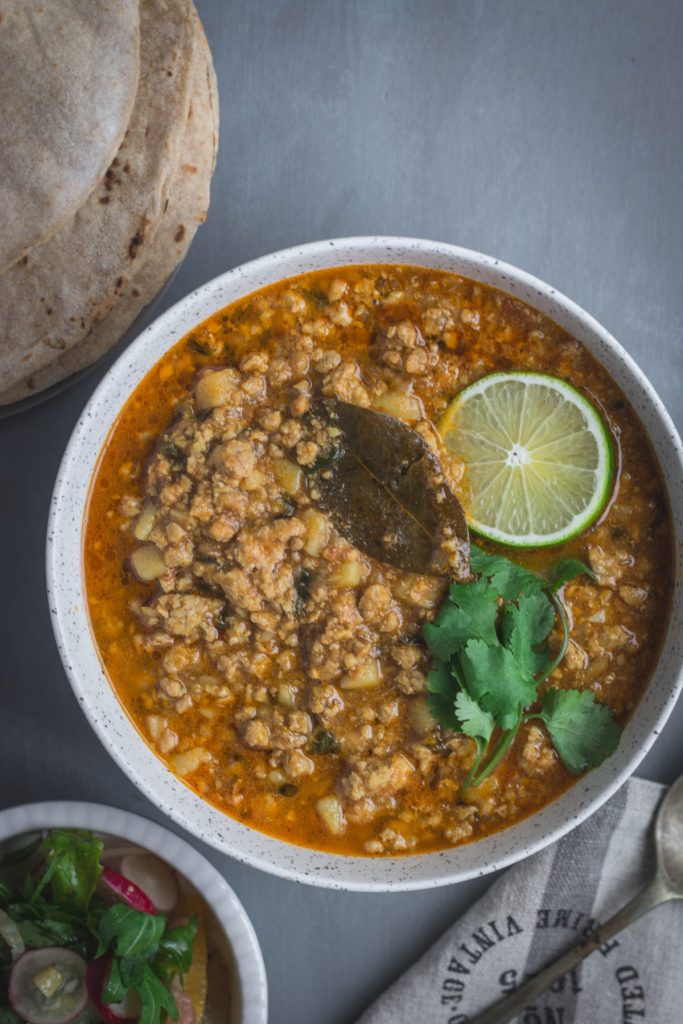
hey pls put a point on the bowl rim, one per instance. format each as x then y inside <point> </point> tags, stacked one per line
<point>184,858</point>
<point>134,354</point>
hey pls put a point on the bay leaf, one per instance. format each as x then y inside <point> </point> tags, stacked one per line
<point>385,491</point>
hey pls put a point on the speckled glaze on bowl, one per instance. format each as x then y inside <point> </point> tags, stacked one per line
<point>114,728</point>
<point>247,980</point>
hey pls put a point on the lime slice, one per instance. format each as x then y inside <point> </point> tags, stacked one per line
<point>538,458</point>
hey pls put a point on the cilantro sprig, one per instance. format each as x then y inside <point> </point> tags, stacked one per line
<point>491,651</point>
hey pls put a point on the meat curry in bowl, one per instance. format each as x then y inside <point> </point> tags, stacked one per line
<point>284,592</point>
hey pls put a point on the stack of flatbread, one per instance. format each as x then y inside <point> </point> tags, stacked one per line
<point>108,137</point>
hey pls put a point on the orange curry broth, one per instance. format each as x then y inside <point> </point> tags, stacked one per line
<point>521,338</point>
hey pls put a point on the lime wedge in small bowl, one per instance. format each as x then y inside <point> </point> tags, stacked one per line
<point>538,457</point>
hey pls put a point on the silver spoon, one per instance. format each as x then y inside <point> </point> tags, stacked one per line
<point>667,884</point>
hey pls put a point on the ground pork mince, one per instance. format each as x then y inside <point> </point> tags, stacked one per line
<point>275,668</point>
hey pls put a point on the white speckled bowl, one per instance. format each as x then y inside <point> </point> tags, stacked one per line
<point>109,720</point>
<point>247,979</point>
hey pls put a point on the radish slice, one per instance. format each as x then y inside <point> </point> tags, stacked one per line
<point>152,876</point>
<point>96,977</point>
<point>9,930</point>
<point>186,1014</point>
<point>111,882</point>
<point>47,986</point>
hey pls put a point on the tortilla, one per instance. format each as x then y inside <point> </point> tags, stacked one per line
<point>188,203</point>
<point>55,294</point>
<point>68,79</point>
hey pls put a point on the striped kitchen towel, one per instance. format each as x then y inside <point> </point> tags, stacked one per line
<point>540,908</point>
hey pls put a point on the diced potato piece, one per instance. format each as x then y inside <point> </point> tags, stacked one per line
<point>206,680</point>
<point>347,574</point>
<point>399,404</point>
<point>288,475</point>
<point>287,694</point>
<point>420,717</point>
<point>190,761</point>
<point>332,814</point>
<point>145,521</point>
<point>215,388</point>
<point>147,563</point>
<point>156,726</point>
<point>168,741</point>
<point>210,712</point>
<point>317,531</point>
<point>253,481</point>
<point>363,678</point>
<point>336,288</point>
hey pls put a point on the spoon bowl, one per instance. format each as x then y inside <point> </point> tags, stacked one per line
<point>669,838</point>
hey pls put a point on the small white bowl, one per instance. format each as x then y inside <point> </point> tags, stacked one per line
<point>247,981</point>
<point>126,745</point>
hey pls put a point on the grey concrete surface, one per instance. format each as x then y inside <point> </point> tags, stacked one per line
<point>546,132</point>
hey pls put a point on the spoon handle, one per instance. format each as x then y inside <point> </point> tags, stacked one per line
<point>505,1009</point>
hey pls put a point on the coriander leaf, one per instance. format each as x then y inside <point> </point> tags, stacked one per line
<point>495,680</point>
<point>443,710</point>
<point>440,680</point>
<point>316,295</point>
<point>534,614</point>
<point>526,624</point>
<point>175,950</point>
<point>325,742</point>
<point>77,858</point>
<point>565,570</point>
<point>324,460</point>
<point>155,999</point>
<point>443,687</point>
<point>583,732</point>
<point>133,934</point>
<point>474,721</point>
<point>302,586</point>
<point>508,579</point>
<point>469,613</point>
